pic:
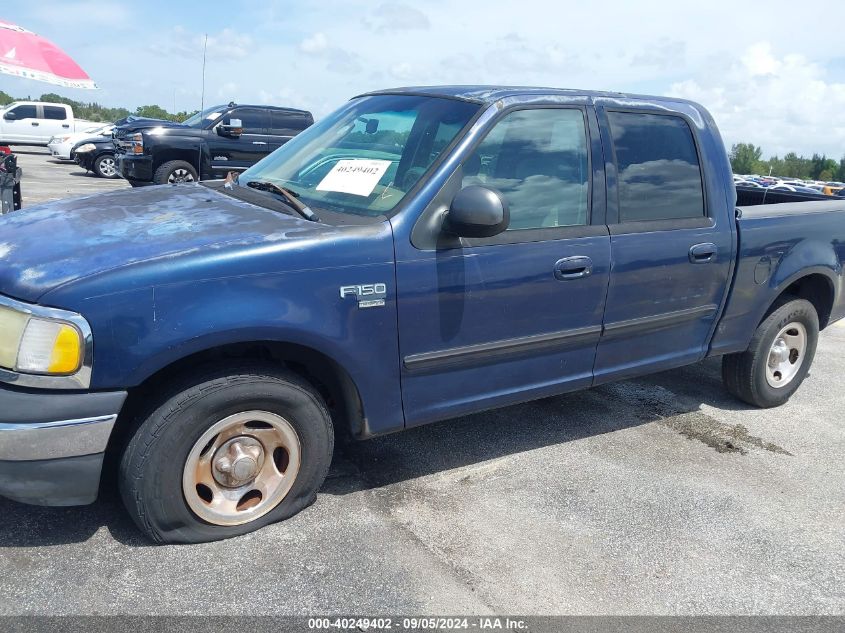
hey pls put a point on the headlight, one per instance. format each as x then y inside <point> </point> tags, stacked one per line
<point>88,147</point>
<point>33,345</point>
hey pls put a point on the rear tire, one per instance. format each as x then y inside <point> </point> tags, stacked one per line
<point>226,453</point>
<point>105,166</point>
<point>174,172</point>
<point>777,359</point>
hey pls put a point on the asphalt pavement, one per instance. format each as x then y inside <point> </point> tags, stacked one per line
<point>661,495</point>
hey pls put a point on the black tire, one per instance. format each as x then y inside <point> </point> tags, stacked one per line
<point>151,468</point>
<point>105,166</point>
<point>175,171</point>
<point>744,374</point>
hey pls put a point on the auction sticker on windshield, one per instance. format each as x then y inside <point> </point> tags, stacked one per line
<point>356,176</point>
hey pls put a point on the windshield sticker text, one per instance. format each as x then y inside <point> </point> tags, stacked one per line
<point>354,176</point>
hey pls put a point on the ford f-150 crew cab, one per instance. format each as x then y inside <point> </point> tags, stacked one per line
<point>36,122</point>
<point>419,254</point>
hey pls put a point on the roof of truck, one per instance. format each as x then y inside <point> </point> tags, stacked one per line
<point>490,94</point>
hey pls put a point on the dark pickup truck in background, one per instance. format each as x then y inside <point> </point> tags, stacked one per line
<point>419,254</point>
<point>205,146</point>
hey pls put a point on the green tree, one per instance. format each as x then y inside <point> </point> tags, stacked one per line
<point>745,158</point>
<point>5,99</point>
<point>152,112</point>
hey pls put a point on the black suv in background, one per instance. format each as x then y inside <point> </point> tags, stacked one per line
<point>207,145</point>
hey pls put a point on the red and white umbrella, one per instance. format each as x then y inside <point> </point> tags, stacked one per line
<point>25,54</point>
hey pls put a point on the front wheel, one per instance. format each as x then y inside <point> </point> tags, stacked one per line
<point>777,359</point>
<point>227,454</point>
<point>105,166</point>
<point>174,172</point>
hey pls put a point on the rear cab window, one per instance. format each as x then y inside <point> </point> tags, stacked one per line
<point>659,172</point>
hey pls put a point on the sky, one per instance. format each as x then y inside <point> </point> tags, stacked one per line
<point>772,73</point>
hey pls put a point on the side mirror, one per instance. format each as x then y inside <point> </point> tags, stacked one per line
<point>233,130</point>
<point>477,212</point>
<point>10,116</point>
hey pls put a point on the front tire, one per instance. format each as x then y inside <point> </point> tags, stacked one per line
<point>777,359</point>
<point>174,172</point>
<point>225,454</point>
<point>105,166</point>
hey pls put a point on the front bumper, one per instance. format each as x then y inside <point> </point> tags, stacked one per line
<point>135,167</point>
<point>52,444</point>
<point>84,160</point>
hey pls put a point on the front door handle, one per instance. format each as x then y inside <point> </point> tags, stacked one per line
<point>35,123</point>
<point>259,143</point>
<point>576,267</point>
<point>702,253</point>
<point>65,125</point>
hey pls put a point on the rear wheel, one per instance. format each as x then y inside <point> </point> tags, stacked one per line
<point>777,359</point>
<point>227,454</point>
<point>105,166</point>
<point>174,172</point>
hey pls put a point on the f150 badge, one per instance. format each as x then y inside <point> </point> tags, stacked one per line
<point>368,295</point>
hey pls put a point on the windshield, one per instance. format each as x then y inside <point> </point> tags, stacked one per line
<point>367,155</point>
<point>209,114</point>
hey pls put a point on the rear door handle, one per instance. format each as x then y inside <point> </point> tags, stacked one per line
<point>576,267</point>
<point>259,143</point>
<point>702,253</point>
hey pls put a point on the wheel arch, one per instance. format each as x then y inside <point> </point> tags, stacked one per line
<point>334,383</point>
<point>166,154</point>
<point>815,285</point>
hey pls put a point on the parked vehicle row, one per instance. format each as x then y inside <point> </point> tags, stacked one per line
<point>62,145</point>
<point>417,255</point>
<point>791,185</point>
<point>208,145</point>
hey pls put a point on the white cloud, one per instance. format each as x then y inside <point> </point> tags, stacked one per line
<point>783,103</point>
<point>395,16</point>
<point>402,71</point>
<point>317,43</point>
<point>68,14</point>
<point>759,60</point>
<point>228,43</point>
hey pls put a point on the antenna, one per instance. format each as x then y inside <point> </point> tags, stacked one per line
<point>202,98</point>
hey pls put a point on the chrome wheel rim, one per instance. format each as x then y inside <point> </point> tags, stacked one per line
<point>241,468</point>
<point>107,167</point>
<point>786,355</point>
<point>180,175</point>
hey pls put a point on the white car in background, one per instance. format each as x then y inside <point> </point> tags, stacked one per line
<point>60,146</point>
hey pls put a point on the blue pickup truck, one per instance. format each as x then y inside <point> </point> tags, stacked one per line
<point>419,254</point>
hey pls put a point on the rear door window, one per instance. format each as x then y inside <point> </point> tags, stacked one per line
<point>288,123</point>
<point>658,166</point>
<point>55,113</point>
